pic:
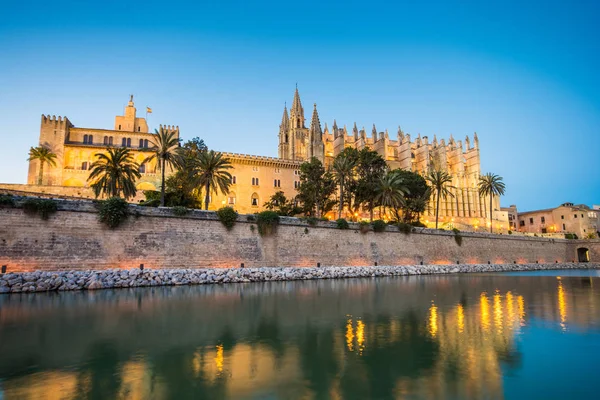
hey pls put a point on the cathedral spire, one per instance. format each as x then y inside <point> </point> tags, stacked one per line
<point>315,127</point>
<point>355,132</point>
<point>297,112</point>
<point>285,120</point>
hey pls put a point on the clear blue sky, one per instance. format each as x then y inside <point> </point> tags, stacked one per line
<point>524,75</point>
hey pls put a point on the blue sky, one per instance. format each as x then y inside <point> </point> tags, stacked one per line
<point>523,75</point>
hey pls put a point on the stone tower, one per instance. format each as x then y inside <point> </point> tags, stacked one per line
<point>129,122</point>
<point>297,134</point>
<point>316,147</point>
<point>284,133</point>
<point>54,132</point>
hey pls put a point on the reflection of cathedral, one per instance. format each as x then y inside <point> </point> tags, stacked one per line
<point>454,338</point>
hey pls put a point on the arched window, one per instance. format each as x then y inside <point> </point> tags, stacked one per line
<point>110,141</point>
<point>141,143</point>
<point>90,139</point>
<point>138,128</point>
<point>85,138</point>
<point>146,143</point>
<point>84,165</point>
<point>143,169</point>
<point>231,198</point>
<point>254,200</point>
<point>128,142</point>
<point>233,180</point>
<point>286,138</point>
<point>124,142</point>
<point>298,125</point>
<point>119,127</point>
<point>254,181</point>
<point>105,140</point>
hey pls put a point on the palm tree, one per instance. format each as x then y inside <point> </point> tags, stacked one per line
<point>44,155</point>
<point>114,173</point>
<point>212,174</point>
<point>440,183</point>
<point>490,185</point>
<point>343,169</point>
<point>168,153</point>
<point>390,192</point>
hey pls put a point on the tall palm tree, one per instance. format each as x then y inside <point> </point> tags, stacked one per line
<point>212,174</point>
<point>44,155</point>
<point>165,146</point>
<point>343,169</point>
<point>491,185</point>
<point>114,173</point>
<point>390,192</point>
<point>440,183</point>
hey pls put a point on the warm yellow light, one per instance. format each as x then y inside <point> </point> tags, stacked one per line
<point>219,358</point>
<point>349,335</point>
<point>360,335</point>
<point>433,323</point>
<point>485,311</point>
<point>460,318</point>
<point>562,305</point>
<point>521,305</point>
<point>356,214</point>
<point>223,202</point>
<point>498,312</point>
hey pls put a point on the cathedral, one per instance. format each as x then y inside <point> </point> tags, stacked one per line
<point>256,178</point>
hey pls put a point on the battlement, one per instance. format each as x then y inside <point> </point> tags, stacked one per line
<point>62,122</point>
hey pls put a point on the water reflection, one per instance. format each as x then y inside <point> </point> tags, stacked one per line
<point>418,337</point>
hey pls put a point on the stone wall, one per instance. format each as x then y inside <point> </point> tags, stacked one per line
<point>72,238</point>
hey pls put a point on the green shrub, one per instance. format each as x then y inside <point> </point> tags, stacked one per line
<point>404,228</point>
<point>267,222</point>
<point>325,219</point>
<point>7,200</point>
<point>227,216</point>
<point>252,228</point>
<point>42,207</point>
<point>150,203</point>
<point>113,211</point>
<point>250,218</point>
<point>379,225</point>
<point>569,236</point>
<point>510,232</point>
<point>457,236</point>
<point>418,224</point>
<point>342,223</point>
<point>312,221</point>
<point>364,226</point>
<point>180,211</point>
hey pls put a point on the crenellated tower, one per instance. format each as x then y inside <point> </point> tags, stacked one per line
<point>54,132</point>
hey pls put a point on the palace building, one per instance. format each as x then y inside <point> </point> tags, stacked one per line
<point>257,178</point>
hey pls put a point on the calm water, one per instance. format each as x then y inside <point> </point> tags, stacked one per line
<point>489,336</point>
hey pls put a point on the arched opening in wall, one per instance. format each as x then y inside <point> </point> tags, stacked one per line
<point>254,200</point>
<point>298,124</point>
<point>141,143</point>
<point>583,254</point>
<point>145,186</point>
<point>231,199</point>
<point>142,168</point>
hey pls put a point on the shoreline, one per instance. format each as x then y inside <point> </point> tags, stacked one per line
<point>46,281</point>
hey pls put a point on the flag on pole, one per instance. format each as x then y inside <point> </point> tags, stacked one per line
<point>148,110</point>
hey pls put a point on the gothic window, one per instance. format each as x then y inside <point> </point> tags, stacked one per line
<point>141,143</point>
<point>276,183</point>
<point>110,141</point>
<point>124,142</point>
<point>105,140</point>
<point>298,124</point>
<point>286,138</point>
<point>90,139</point>
<point>146,143</point>
<point>254,200</point>
<point>254,181</point>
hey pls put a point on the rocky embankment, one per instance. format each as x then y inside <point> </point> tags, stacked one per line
<point>42,281</point>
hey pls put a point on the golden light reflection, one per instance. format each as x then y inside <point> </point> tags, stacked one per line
<point>349,335</point>
<point>562,305</point>
<point>498,311</point>
<point>521,305</point>
<point>219,358</point>
<point>360,335</point>
<point>433,319</point>
<point>510,307</point>
<point>460,318</point>
<point>485,312</point>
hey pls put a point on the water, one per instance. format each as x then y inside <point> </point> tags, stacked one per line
<point>488,336</point>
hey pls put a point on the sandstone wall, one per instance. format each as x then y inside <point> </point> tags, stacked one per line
<point>74,239</point>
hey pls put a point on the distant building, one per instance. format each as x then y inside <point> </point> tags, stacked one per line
<point>513,217</point>
<point>566,218</point>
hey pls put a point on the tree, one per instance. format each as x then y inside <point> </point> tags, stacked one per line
<point>440,183</point>
<point>212,174</point>
<point>417,196</point>
<point>114,173</point>
<point>371,167</point>
<point>316,187</point>
<point>491,185</point>
<point>344,167</point>
<point>43,155</point>
<point>280,204</point>
<point>390,192</point>
<point>165,146</point>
